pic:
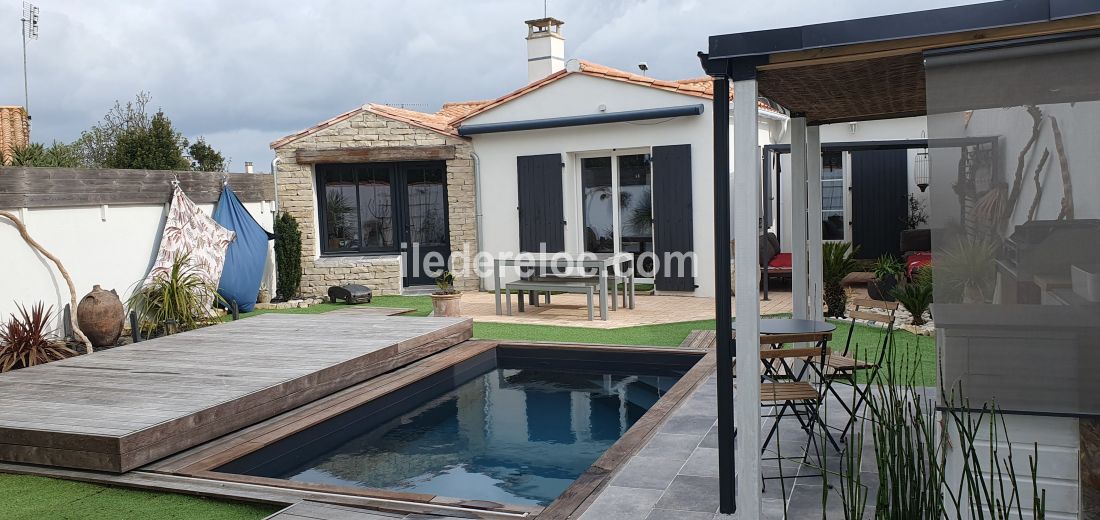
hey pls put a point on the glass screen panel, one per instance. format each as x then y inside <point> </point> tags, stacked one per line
<point>341,221</point>
<point>376,207</point>
<point>427,205</point>
<point>598,199</point>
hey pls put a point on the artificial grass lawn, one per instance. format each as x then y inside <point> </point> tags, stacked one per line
<point>916,355</point>
<point>38,498</point>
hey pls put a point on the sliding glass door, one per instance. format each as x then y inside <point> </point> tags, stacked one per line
<point>617,203</point>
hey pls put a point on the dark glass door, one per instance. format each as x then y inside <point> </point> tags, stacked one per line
<point>425,237</point>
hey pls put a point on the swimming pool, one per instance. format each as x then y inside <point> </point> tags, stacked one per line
<point>509,425</point>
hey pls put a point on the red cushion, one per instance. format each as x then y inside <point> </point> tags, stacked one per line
<point>916,261</point>
<point>781,261</point>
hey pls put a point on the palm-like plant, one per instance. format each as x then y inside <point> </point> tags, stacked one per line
<point>916,296</point>
<point>838,261</point>
<point>967,268</point>
<point>176,299</point>
<point>26,340</point>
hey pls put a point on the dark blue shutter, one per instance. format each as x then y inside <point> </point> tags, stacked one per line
<point>672,225</point>
<point>880,188</point>
<point>541,206</point>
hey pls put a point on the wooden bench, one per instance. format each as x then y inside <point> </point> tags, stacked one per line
<point>612,283</point>
<point>548,286</point>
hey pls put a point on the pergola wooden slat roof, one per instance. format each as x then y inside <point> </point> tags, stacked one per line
<point>873,68</point>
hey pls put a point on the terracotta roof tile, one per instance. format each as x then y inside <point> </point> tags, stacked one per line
<point>15,131</point>
<point>460,108</point>
<point>451,115</point>
<point>434,122</point>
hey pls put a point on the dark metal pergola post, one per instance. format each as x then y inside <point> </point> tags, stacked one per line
<point>722,297</point>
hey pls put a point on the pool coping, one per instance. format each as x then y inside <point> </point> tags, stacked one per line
<point>201,461</point>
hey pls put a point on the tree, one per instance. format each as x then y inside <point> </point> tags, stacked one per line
<point>127,137</point>
<point>57,155</point>
<point>98,143</point>
<point>205,158</point>
<point>288,256</point>
<point>156,146</point>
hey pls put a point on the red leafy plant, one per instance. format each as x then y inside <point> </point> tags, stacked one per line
<point>27,340</point>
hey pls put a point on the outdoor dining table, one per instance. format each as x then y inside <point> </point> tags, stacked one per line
<point>601,262</point>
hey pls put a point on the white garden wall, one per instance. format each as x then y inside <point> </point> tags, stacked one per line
<point>113,246</point>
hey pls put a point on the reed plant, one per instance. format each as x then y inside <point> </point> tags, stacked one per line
<point>913,439</point>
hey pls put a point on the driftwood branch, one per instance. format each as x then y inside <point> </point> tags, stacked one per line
<point>1038,186</point>
<point>68,280</point>
<point>1066,212</point>
<point>1018,179</point>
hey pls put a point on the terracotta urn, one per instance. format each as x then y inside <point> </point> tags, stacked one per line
<point>446,305</point>
<point>100,315</point>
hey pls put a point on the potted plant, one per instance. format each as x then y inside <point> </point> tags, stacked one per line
<point>837,262</point>
<point>887,269</point>
<point>445,301</point>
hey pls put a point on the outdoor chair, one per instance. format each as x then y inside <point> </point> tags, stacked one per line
<point>785,391</point>
<point>773,262</point>
<point>846,368</point>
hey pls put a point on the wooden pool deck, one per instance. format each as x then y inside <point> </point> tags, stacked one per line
<point>120,409</point>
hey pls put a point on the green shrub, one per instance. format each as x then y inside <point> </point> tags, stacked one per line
<point>288,256</point>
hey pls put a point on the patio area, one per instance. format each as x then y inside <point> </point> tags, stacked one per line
<point>571,310</point>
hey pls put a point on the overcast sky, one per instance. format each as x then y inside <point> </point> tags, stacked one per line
<point>245,72</point>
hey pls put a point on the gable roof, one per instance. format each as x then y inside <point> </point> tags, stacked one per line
<point>448,118</point>
<point>15,131</point>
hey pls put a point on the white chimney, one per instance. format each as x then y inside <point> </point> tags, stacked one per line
<point>545,48</point>
<point>248,167</point>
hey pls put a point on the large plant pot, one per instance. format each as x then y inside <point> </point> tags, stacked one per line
<point>100,315</point>
<point>882,290</point>
<point>446,305</point>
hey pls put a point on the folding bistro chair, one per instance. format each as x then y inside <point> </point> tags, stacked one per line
<point>844,367</point>
<point>786,391</point>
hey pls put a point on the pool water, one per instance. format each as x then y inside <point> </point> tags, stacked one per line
<point>514,429</point>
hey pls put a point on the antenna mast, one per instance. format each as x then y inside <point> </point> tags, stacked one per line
<point>30,31</point>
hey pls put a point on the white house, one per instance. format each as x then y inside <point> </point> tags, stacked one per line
<point>583,158</point>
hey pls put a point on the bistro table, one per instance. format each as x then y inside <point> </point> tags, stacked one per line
<point>601,262</point>
<point>818,332</point>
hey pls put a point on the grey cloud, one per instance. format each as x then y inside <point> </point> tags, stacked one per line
<point>244,72</point>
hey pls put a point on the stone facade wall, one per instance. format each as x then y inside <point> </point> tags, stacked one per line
<point>297,196</point>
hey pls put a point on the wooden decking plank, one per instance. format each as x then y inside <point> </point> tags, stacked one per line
<point>128,406</point>
<point>246,441</point>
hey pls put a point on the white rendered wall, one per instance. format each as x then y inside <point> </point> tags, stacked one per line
<point>115,252</point>
<point>577,95</point>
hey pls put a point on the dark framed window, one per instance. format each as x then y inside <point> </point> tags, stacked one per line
<point>832,196</point>
<point>382,208</point>
<point>357,205</point>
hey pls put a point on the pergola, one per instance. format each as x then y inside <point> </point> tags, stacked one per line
<point>854,70</point>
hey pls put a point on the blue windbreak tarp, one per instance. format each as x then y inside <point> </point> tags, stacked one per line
<point>246,256</point>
